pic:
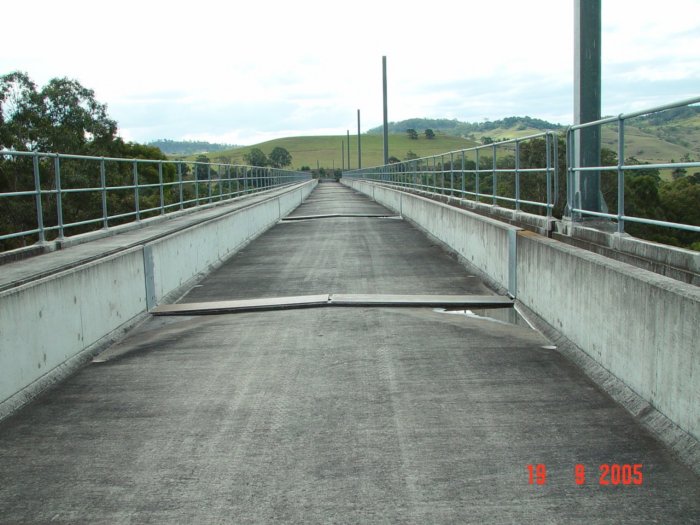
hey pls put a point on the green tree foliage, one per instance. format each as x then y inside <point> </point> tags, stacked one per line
<point>410,155</point>
<point>65,117</point>
<point>61,117</point>
<point>429,134</point>
<point>280,157</point>
<point>256,157</point>
<point>412,134</point>
<point>202,171</point>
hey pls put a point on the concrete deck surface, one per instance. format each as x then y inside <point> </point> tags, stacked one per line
<point>332,415</point>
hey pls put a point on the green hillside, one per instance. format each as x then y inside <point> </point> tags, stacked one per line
<point>672,135</point>
<point>325,151</point>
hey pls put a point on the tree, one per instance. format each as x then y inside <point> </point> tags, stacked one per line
<point>412,134</point>
<point>255,157</point>
<point>410,155</point>
<point>280,157</point>
<point>429,134</point>
<point>202,171</point>
<point>62,117</point>
<point>394,160</point>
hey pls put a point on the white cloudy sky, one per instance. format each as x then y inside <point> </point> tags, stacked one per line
<point>242,72</point>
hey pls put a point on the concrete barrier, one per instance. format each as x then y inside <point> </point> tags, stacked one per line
<point>640,327</point>
<point>49,326</point>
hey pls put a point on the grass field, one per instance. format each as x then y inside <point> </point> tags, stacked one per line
<point>326,151</point>
<point>654,144</point>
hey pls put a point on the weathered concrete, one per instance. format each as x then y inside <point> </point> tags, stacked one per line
<point>57,309</point>
<point>647,326</point>
<point>642,327</point>
<point>340,415</point>
<point>485,243</point>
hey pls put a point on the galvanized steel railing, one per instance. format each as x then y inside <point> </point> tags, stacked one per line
<point>437,176</point>
<point>621,168</point>
<point>154,187</point>
<point>474,173</point>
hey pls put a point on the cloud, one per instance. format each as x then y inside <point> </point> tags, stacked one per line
<point>268,68</point>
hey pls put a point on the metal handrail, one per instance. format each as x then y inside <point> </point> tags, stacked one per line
<point>406,174</point>
<point>188,188</point>
<point>392,176</point>
<point>621,168</point>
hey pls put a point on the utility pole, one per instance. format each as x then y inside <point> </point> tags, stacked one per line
<point>342,153</point>
<point>386,114</point>
<point>348,148</point>
<point>359,143</point>
<point>587,103</point>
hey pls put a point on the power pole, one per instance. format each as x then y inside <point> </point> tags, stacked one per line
<point>348,149</point>
<point>342,153</point>
<point>386,114</point>
<point>587,103</point>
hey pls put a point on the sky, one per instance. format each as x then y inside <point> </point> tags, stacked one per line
<point>245,72</point>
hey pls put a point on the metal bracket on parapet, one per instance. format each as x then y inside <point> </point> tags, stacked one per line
<point>149,277</point>
<point>512,263</point>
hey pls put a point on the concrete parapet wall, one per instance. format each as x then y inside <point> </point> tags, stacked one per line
<point>51,325</point>
<point>46,323</point>
<point>643,328</point>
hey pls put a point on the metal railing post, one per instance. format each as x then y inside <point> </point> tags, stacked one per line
<point>548,172</point>
<point>494,175</point>
<point>476,182</point>
<point>59,195</point>
<point>570,171</point>
<point>517,175</point>
<point>464,187</point>
<point>37,193</point>
<point>103,187</point>
<point>179,182</point>
<point>196,184</point>
<point>160,187</point>
<point>620,175</point>
<point>209,182</point>
<point>137,204</point>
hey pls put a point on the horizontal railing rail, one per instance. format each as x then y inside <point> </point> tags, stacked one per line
<point>474,173</point>
<point>621,168</point>
<point>76,193</point>
<point>531,167</point>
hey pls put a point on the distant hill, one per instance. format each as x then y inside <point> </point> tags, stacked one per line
<point>674,134</point>
<point>326,150</point>
<point>188,147</point>
<point>459,128</point>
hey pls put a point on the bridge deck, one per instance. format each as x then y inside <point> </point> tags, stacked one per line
<point>348,415</point>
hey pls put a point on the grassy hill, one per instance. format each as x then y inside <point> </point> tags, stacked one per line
<point>660,138</point>
<point>325,151</point>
